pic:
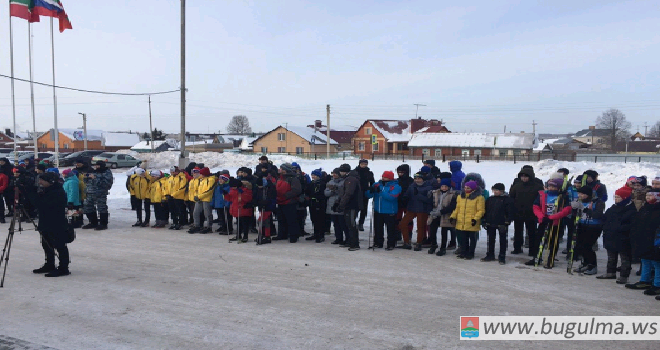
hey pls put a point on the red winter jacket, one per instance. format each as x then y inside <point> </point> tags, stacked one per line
<point>540,210</point>
<point>4,182</point>
<point>239,200</point>
<point>288,189</point>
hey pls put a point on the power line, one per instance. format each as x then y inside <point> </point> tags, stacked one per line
<point>93,91</point>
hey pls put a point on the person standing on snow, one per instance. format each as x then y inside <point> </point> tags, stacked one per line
<point>350,202</point>
<point>288,189</point>
<point>366,181</point>
<point>524,193</point>
<point>457,175</point>
<point>98,183</point>
<point>332,193</point>
<point>419,206</point>
<point>386,194</point>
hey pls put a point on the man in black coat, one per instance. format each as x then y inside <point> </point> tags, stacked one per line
<point>53,225</point>
<point>350,202</point>
<point>524,193</point>
<point>366,181</point>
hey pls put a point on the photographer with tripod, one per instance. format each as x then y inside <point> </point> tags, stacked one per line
<point>53,225</point>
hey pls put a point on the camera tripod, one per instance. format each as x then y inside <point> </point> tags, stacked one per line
<point>15,218</point>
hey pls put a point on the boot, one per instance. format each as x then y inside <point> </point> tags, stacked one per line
<point>145,224</point>
<point>137,223</point>
<point>622,280</point>
<point>441,252</point>
<point>60,271</point>
<point>93,221</point>
<point>310,238</point>
<point>531,262</point>
<point>48,267</point>
<point>526,244</point>
<point>432,249</point>
<point>607,276</point>
<point>639,285</point>
<point>193,229</point>
<point>488,258</point>
<point>205,230</point>
<point>591,270</point>
<point>405,246</point>
<point>652,291</point>
<point>451,246</point>
<point>104,223</point>
<point>418,247</point>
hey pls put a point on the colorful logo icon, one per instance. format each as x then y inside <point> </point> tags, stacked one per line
<point>469,327</point>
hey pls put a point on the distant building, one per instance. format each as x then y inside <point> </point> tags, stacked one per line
<point>343,134</point>
<point>159,146</point>
<point>293,140</point>
<point>436,145</point>
<point>114,141</point>
<point>5,139</point>
<point>596,138</point>
<point>377,136</point>
<point>71,140</point>
<point>648,146</point>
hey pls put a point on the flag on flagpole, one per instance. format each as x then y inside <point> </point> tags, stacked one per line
<point>52,8</point>
<point>23,9</point>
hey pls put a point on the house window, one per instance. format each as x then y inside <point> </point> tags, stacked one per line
<point>426,152</point>
<point>281,136</point>
<point>43,145</point>
<point>281,149</point>
<point>477,152</point>
<point>465,152</point>
<point>438,152</point>
<point>502,153</point>
<point>300,150</point>
<point>599,141</point>
<point>516,152</point>
<point>361,146</point>
<point>401,146</point>
<point>264,149</point>
<point>374,147</point>
<point>367,131</point>
<point>66,146</point>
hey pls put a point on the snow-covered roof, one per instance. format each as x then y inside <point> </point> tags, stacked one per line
<point>474,140</point>
<point>145,145</point>
<point>592,132</point>
<point>202,142</point>
<point>246,143</point>
<point>119,139</point>
<point>310,135</point>
<point>79,134</point>
<point>393,130</point>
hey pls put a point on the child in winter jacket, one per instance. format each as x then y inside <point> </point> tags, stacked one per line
<point>499,213</point>
<point>444,203</point>
<point>386,197</point>
<point>315,196</point>
<point>639,188</point>
<point>221,205</point>
<point>589,229</point>
<point>470,209</point>
<point>71,188</point>
<point>240,196</point>
<point>645,243</point>
<point>419,206</point>
<point>177,184</point>
<point>332,193</point>
<point>157,192</point>
<point>548,213</point>
<point>265,195</point>
<point>204,189</point>
<point>140,183</point>
<point>617,223</point>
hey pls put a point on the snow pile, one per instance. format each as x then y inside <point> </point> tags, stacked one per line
<point>476,140</point>
<point>120,139</point>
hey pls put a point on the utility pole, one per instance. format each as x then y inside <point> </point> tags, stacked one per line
<point>84,115</point>
<point>646,129</point>
<point>534,124</point>
<point>182,147</point>
<point>151,128</point>
<point>327,132</point>
<point>417,110</point>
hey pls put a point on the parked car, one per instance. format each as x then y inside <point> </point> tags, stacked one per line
<point>116,160</point>
<point>84,155</point>
<point>18,155</point>
<point>62,155</point>
<point>5,151</point>
<point>40,156</point>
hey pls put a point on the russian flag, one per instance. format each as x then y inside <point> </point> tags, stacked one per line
<point>52,8</point>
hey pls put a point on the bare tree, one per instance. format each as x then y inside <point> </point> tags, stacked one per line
<point>654,131</point>
<point>239,124</point>
<point>616,124</point>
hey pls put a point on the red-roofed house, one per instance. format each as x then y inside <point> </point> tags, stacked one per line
<point>391,136</point>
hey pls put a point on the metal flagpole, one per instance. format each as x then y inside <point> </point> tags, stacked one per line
<point>13,100</point>
<point>56,130</point>
<point>34,121</point>
<point>182,147</point>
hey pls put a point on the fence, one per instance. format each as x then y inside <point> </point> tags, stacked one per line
<point>532,157</point>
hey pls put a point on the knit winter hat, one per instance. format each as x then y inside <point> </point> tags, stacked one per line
<point>205,172</point>
<point>174,169</point>
<point>425,170</point>
<point>388,175</point>
<point>345,168</point>
<point>53,170</point>
<point>592,174</point>
<point>445,175</point>
<point>224,178</point>
<point>420,175</point>
<point>51,178</point>
<point>155,173</point>
<point>472,185</point>
<point>642,181</point>
<point>564,171</point>
<point>556,182</point>
<point>335,171</point>
<point>657,177</point>
<point>66,172</point>
<point>318,172</point>
<point>499,186</point>
<point>225,172</point>
<point>295,165</point>
<point>263,158</point>
<point>363,161</point>
<point>624,192</point>
<point>287,167</point>
<point>586,190</point>
<point>430,162</point>
<point>578,179</point>
<point>41,167</point>
<point>445,182</point>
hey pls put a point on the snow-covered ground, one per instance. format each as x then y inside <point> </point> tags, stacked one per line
<point>162,289</point>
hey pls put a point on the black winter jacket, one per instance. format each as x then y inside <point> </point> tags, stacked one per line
<point>524,194</point>
<point>350,195</point>
<point>52,214</point>
<point>315,192</point>
<point>617,223</point>
<point>644,229</point>
<point>366,177</point>
<point>499,210</point>
<point>404,181</point>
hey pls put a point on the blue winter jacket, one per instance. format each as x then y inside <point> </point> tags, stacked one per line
<point>386,201</point>
<point>456,174</point>
<point>420,202</point>
<point>218,201</point>
<point>72,190</point>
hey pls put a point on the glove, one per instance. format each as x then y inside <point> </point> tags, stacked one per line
<point>452,221</point>
<point>335,207</point>
<point>196,199</point>
<point>429,194</point>
<point>415,191</point>
<point>504,229</point>
<point>473,222</point>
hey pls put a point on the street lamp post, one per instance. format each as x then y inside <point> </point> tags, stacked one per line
<point>84,115</point>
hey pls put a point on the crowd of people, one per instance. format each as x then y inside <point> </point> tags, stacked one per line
<point>454,203</point>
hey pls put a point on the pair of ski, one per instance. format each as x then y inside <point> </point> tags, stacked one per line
<point>260,235</point>
<point>571,251</point>
<point>551,234</point>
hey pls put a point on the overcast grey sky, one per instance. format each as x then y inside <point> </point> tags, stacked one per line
<point>479,66</point>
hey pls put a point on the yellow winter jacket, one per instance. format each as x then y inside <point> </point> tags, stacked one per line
<point>82,187</point>
<point>205,188</point>
<point>468,208</point>
<point>177,185</point>
<point>192,189</point>
<point>140,187</point>
<point>158,190</point>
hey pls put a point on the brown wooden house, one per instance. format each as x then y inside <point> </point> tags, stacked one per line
<point>391,136</point>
